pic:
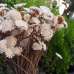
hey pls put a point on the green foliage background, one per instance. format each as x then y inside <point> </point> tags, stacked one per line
<point>62,43</point>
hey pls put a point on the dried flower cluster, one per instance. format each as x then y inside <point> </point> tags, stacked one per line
<point>37,23</point>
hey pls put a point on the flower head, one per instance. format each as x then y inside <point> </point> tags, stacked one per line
<point>46,32</point>
<point>14,15</point>
<point>7,25</point>
<point>11,41</point>
<point>21,24</point>
<point>39,46</point>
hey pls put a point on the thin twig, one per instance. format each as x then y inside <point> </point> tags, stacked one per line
<point>19,67</point>
<point>34,71</point>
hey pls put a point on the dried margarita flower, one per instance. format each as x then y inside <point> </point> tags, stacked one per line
<point>39,46</point>
<point>21,24</point>
<point>59,22</point>
<point>14,15</point>
<point>7,46</point>
<point>11,41</point>
<point>36,46</point>
<point>9,53</point>
<point>46,32</point>
<point>7,25</point>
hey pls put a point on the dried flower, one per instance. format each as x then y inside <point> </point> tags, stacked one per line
<point>9,53</point>
<point>14,15</point>
<point>11,41</point>
<point>34,23</point>
<point>39,46</point>
<point>46,31</point>
<point>21,24</point>
<point>7,25</point>
<point>36,46</point>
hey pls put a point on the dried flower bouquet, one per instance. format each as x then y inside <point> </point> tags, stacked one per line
<point>25,33</point>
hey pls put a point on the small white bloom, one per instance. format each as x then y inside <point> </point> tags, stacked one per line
<point>21,24</point>
<point>9,53</point>
<point>11,41</point>
<point>7,25</point>
<point>37,46</point>
<point>14,15</point>
<point>58,55</point>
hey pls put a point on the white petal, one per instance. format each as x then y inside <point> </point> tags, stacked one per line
<point>58,55</point>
